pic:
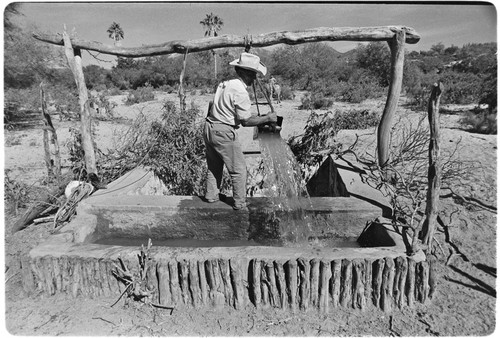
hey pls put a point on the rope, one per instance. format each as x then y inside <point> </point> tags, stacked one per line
<point>68,209</point>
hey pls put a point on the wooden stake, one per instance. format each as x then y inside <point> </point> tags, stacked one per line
<point>105,277</point>
<point>315,283</point>
<point>76,278</point>
<point>369,282</point>
<point>194,283</point>
<point>292,278</point>
<point>281,279</point>
<point>304,290</point>
<point>226,281</point>
<point>236,267</point>
<point>183,276</point>
<point>326,274</point>
<point>358,269</point>
<point>335,282</point>
<point>346,288</point>
<point>256,272</point>
<point>410,290</point>
<point>402,267</point>
<point>56,268</point>
<point>164,296</point>
<point>387,297</point>
<point>203,282</point>
<point>273,289</point>
<point>175,289</point>
<point>377,282</point>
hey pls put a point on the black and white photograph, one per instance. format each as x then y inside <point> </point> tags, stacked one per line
<point>250,168</point>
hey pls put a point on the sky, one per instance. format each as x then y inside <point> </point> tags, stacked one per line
<point>147,23</point>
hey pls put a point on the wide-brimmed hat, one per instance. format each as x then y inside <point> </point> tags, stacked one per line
<point>251,62</point>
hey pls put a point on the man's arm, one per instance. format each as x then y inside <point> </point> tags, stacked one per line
<point>258,120</point>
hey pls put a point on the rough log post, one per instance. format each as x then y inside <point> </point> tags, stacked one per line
<point>74,58</point>
<point>264,285</point>
<point>326,274</point>
<point>65,277</point>
<point>402,266</point>
<point>194,283</point>
<point>163,283</point>
<point>335,282</point>
<point>183,275</point>
<point>384,129</point>
<point>293,283</point>
<point>315,283</point>
<point>203,282</point>
<point>358,270</point>
<point>174,282</point>
<point>236,266</point>
<point>226,280</point>
<point>377,281</point>
<point>281,280</point>
<point>410,281</point>
<point>219,299</point>
<point>273,288</point>
<point>346,289</point>
<point>224,41</point>
<point>256,271</point>
<point>387,296</point>
<point>305,293</point>
<point>104,276</point>
<point>434,172</point>
<point>368,282</point>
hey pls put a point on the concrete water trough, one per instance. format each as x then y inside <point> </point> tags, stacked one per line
<point>209,255</point>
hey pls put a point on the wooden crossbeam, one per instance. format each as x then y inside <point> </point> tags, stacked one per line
<point>384,33</point>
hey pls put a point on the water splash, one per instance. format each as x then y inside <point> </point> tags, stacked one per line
<point>287,190</point>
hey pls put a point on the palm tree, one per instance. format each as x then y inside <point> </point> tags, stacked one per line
<point>115,32</point>
<point>212,25</point>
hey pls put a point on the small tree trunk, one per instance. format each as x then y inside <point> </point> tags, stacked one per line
<point>434,173</point>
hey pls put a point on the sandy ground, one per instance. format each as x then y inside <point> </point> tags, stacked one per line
<point>463,305</point>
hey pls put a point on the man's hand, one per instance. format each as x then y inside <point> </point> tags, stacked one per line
<point>273,117</point>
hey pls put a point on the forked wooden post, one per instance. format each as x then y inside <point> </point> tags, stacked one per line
<point>49,127</point>
<point>74,58</point>
<point>396,45</point>
<point>434,173</point>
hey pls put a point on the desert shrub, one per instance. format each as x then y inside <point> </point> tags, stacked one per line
<point>355,119</point>
<point>315,101</point>
<point>178,154</point>
<point>461,88</point>
<point>105,107</point>
<point>13,141</point>
<point>16,194</point>
<point>287,93</point>
<point>141,94</point>
<point>360,86</point>
<point>18,101</point>
<point>113,91</point>
<point>316,143</point>
<point>480,121</point>
<point>167,89</point>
